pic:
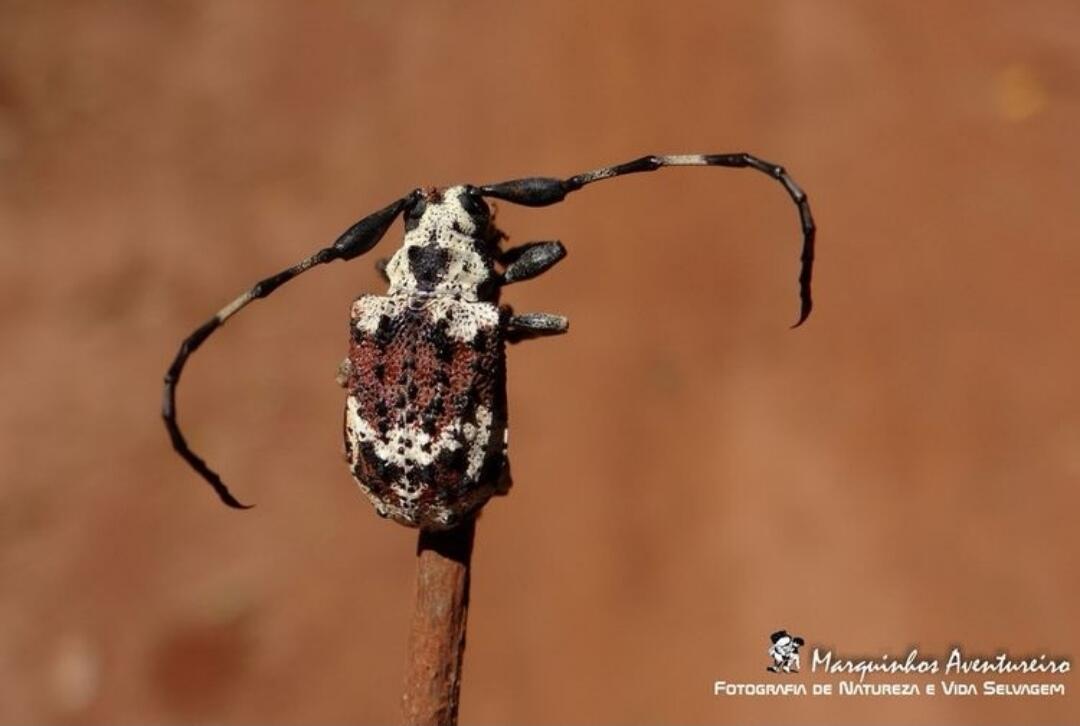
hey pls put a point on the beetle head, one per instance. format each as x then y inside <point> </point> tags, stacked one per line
<point>460,209</point>
<point>450,245</point>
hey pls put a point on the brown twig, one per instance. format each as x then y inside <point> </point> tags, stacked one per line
<point>437,637</point>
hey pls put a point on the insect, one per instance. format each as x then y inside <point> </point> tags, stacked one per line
<point>425,416</point>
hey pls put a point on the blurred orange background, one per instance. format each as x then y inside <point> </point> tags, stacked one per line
<point>690,474</point>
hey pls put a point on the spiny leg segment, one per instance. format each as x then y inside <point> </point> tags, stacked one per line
<point>543,191</point>
<point>356,240</point>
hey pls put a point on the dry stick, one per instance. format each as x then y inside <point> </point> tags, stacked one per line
<point>437,637</point>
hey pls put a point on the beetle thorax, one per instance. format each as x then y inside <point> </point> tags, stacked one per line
<point>444,251</point>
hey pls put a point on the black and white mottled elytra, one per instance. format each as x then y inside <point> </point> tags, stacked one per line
<point>425,423</point>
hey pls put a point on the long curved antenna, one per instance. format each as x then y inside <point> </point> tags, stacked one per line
<point>542,191</point>
<point>356,240</point>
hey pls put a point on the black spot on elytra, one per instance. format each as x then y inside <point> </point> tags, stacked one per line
<point>480,340</point>
<point>384,334</point>
<point>456,460</point>
<point>380,408</point>
<point>424,475</point>
<point>384,469</point>
<point>493,468</point>
<point>441,342</point>
<point>380,375</point>
<point>436,407</point>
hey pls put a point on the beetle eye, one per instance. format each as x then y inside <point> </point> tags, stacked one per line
<point>476,208</point>
<point>414,213</point>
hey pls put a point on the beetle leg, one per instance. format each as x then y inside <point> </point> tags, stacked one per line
<point>344,372</point>
<point>534,325</point>
<point>530,259</point>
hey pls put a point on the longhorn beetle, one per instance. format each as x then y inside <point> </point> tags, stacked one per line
<point>425,416</point>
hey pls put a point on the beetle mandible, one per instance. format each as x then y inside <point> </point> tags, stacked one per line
<point>425,416</point>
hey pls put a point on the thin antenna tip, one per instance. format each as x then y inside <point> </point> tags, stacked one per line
<point>231,501</point>
<point>804,315</point>
<point>235,503</point>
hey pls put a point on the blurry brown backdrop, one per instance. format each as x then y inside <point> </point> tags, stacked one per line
<point>690,474</point>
